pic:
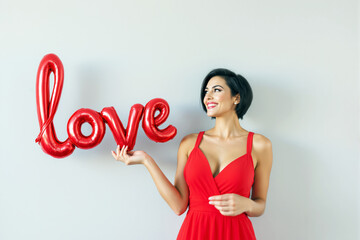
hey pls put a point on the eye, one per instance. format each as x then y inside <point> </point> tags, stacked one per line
<point>217,89</point>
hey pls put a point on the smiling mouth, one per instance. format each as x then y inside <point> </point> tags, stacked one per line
<point>211,105</point>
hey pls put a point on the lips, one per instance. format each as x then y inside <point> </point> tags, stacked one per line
<point>211,105</point>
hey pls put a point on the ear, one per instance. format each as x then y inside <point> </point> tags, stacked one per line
<point>237,98</point>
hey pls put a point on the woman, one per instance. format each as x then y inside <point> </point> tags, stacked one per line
<point>211,178</point>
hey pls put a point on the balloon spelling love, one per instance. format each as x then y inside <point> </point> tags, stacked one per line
<point>46,109</point>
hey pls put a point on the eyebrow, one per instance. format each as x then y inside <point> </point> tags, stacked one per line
<point>215,86</point>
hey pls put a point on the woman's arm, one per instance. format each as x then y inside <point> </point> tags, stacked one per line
<point>262,151</point>
<point>175,195</point>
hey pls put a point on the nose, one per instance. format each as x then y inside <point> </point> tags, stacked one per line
<point>208,96</point>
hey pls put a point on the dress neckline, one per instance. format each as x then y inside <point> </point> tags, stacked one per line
<point>233,161</point>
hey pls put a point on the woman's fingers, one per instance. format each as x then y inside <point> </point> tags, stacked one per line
<point>114,154</point>
<point>123,152</point>
<point>220,197</point>
<point>229,204</point>
<point>218,203</point>
<point>122,156</point>
<point>119,155</point>
<point>221,203</point>
<point>118,150</point>
<point>224,210</point>
<point>126,157</point>
<point>223,207</point>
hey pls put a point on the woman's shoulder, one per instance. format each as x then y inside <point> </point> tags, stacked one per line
<point>188,142</point>
<point>262,147</point>
<point>189,139</point>
<point>261,140</point>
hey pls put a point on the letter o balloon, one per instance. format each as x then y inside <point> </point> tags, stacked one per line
<point>74,128</point>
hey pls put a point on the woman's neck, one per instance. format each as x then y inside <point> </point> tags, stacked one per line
<point>227,126</point>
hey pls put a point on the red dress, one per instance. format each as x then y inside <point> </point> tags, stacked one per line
<point>203,221</point>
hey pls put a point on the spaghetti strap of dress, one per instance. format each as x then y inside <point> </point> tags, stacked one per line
<point>249,142</point>
<point>199,137</point>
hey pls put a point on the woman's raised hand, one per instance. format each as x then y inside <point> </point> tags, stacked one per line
<point>131,157</point>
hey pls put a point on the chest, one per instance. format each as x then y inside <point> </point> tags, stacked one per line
<point>236,177</point>
<point>220,154</point>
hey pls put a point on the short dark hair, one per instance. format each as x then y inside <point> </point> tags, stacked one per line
<point>237,84</point>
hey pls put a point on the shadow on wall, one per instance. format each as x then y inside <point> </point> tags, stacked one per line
<point>289,190</point>
<point>273,109</point>
<point>91,89</point>
<point>276,111</point>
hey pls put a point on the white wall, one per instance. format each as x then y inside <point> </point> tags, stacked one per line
<point>300,57</point>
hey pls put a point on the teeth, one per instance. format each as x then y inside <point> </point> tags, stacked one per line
<point>211,105</point>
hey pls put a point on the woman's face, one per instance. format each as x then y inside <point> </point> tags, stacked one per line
<point>218,99</point>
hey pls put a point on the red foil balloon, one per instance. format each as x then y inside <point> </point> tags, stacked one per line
<point>74,128</point>
<point>46,108</point>
<point>150,122</point>
<point>122,137</point>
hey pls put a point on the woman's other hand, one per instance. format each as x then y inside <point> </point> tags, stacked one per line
<point>130,158</point>
<point>230,204</point>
